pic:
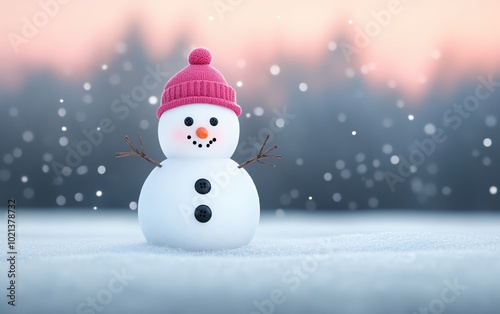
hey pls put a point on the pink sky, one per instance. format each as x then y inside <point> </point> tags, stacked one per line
<point>417,38</point>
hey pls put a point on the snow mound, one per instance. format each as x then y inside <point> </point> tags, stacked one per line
<point>360,262</point>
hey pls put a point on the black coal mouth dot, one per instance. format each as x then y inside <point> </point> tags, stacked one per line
<point>210,142</point>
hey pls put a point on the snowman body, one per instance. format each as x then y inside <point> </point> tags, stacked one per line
<point>199,204</point>
<point>199,199</point>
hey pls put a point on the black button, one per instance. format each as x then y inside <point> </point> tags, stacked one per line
<point>202,186</point>
<point>203,213</point>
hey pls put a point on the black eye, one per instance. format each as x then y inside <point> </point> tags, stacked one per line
<point>214,121</point>
<point>188,121</point>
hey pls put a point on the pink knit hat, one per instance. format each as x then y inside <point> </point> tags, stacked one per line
<point>198,83</point>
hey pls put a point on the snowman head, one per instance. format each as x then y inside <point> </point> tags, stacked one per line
<point>198,130</point>
<point>198,112</point>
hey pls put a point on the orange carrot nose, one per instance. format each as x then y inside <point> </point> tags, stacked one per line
<point>202,133</point>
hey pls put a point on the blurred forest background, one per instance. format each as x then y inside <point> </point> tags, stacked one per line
<point>373,104</point>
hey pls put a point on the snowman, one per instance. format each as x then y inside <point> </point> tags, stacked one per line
<point>198,198</point>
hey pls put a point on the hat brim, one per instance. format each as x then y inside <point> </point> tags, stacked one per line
<point>199,100</point>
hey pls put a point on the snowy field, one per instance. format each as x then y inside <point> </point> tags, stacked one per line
<point>355,262</point>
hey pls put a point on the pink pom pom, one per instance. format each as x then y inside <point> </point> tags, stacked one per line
<point>200,56</point>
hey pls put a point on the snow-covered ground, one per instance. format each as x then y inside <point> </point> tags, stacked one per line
<point>357,262</point>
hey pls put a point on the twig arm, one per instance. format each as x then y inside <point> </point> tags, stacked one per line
<point>262,155</point>
<point>136,152</point>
